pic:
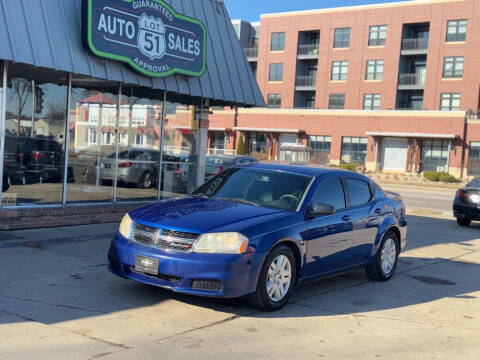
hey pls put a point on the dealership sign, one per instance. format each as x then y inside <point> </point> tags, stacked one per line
<point>146,34</point>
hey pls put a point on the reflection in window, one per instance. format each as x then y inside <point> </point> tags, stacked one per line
<point>34,141</point>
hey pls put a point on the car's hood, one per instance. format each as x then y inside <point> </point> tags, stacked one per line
<point>201,215</point>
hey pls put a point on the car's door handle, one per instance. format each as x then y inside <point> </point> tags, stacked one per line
<point>346,218</point>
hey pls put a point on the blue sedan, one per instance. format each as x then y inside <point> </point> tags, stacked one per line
<point>259,230</point>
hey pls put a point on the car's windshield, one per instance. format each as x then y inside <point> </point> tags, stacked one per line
<point>267,188</point>
<point>474,183</point>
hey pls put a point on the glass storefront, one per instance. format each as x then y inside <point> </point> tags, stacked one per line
<point>108,152</point>
<point>354,150</point>
<point>435,155</point>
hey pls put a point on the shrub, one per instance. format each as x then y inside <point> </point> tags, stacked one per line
<point>431,175</point>
<point>447,178</point>
<point>350,166</point>
<point>240,146</point>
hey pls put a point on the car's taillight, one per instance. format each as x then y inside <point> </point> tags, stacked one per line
<point>36,155</point>
<point>461,195</point>
<point>125,164</point>
<point>178,170</point>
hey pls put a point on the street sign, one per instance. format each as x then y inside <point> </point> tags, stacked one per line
<point>146,34</point>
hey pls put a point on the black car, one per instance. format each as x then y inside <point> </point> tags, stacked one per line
<point>466,205</point>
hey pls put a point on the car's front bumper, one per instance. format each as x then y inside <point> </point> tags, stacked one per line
<point>235,275</point>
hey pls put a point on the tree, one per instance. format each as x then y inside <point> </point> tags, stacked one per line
<point>22,88</point>
<point>240,146</point>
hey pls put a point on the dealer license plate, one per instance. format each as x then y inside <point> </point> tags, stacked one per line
<point>146,265</point>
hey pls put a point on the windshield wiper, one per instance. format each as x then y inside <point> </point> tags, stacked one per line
<point>242,201</point>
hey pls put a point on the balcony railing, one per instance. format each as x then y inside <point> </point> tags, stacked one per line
<point>415,44</point>
<point>306,81</point>
<point>411,79</point>
<point>308,49</point>
<point>473,114</point>
<point>251,52</point>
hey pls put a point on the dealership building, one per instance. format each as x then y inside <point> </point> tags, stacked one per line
<point>89,91</point>
<point>394,87</point>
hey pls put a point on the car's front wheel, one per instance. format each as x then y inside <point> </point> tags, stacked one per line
<point>385,264</point>
<point>277,280</point>
<point>464,221</point>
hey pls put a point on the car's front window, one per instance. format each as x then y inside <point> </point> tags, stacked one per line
<point>267,188</point>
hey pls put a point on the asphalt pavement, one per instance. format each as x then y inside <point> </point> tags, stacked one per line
<point>58,301</point>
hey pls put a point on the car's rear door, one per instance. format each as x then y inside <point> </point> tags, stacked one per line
<point>367,212</point>
<point>329,238</point>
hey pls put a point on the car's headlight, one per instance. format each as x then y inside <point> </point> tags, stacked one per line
<point>125,226</point>
<point>222,243</point>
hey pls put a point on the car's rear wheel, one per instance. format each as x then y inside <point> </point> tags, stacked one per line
<point>464,221</point>
<point>277,280</point>
<point>385,264</point>
<point>146,180</point>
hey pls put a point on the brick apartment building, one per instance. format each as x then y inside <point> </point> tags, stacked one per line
<point>393,86</point>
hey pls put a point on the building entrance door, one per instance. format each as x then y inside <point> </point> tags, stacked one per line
<point>394,154</point>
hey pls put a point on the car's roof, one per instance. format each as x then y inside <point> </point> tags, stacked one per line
<point>298,169</point>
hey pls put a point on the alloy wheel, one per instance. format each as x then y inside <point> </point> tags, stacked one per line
<point>279,278</point>
<point>388,256</point>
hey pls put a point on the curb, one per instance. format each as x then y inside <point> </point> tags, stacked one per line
<point>431,212</point>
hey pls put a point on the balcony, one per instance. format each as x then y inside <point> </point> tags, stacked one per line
<point>414,46</point>
<point>306,83</point>
<point>411,81</point>
<point>308,51</point>
<point>251,53</point>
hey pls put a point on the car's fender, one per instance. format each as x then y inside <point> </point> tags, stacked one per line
<point>388,223</point>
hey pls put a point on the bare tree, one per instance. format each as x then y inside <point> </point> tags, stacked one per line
<point>22,89</point>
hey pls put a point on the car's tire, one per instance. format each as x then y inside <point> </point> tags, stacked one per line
<point>385,264</point>
<point>273,291</point>
<point>145,181</point>
<point>464,221</point>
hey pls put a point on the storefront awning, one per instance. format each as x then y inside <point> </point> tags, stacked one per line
<point>411,135</point>
<point>267,130</point>
<point>48,34</point>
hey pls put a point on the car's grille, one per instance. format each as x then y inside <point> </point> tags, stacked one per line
<point>164,277</point>
<point>163,239</point>
<point>212,285</point>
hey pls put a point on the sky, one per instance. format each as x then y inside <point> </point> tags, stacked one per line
<point>250,10</point>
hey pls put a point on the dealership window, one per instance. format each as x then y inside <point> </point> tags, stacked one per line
<point>371,101</point>
<point>278,41</point>
<point>453,67</point>
<point>377,35</point>
<point>450,102</point>
<point>336,101</point>
<point>374,70</point>
<point>435,155</point>
<point>354,150</point>
<point>35,127</point>
<point>276,72</point>
<point>274,101</point>
<point>341,38</point>
<point>319,148</point>
<point>339,71</point>
<point>456,30</point>
<point>257,143</point>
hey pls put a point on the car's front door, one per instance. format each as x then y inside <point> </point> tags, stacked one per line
<point>329,238</point>
<point>367,214</point>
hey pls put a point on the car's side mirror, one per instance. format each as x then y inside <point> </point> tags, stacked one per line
<point>321,210</point>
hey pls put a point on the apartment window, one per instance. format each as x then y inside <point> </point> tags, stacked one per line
<point>336,101</point>
<point>274,101</point>
<point>276,72</point>
<point>339,70</point>
<point>450,102</point>
<point>374,70</point>
<point>456,30</point>
<point>453,67</point>
<point>371,101</point>
<point>278,41</point>
<point>310,101</point>
<point>140,140</point>
<point>91,137</point>
<point>107,138</point>
<point>378,35</point>
<point>342,38</point>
